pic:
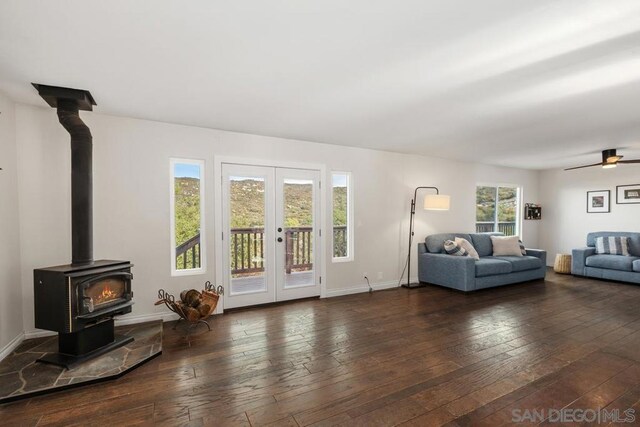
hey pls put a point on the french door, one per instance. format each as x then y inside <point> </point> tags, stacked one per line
<point>270,234</point>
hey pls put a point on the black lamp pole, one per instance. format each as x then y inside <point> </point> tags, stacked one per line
<point>413,212</point>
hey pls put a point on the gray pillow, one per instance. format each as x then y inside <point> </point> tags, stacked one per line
<point>613,245</point>
<point>522,248</point>
<point>452,248</point>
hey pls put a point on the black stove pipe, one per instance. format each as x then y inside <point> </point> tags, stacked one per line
<point>81,182</point>
<point>68,103</point>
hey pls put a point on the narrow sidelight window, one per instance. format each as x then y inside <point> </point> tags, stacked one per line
<point>187,217</point>
<point>342,197</point>
<point>497,209</point>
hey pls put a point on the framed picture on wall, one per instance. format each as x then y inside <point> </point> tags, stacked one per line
<point>598,201</point>
<point>628,194</point>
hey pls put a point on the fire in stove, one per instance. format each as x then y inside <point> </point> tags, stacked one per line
<point>100,293</point>
<point>106,296</point>
<point>94,298</point>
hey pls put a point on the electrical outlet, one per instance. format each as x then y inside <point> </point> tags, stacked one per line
<point>379,275</point>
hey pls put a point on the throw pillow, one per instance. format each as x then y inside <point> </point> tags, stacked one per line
<point>452,248</point>
<point>618,245</point>
<point>506,246</point>
<point>522,248</point>
<point>467,246</point>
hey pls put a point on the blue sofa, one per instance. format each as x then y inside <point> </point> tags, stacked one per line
<point>466,274</point>
<point>585,261</point>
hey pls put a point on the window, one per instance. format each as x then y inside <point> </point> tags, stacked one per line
<point>342,216</point>
<point>187,216</point>
<point>498,209</point>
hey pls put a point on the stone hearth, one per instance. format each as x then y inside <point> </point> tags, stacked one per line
<point>22,377</point>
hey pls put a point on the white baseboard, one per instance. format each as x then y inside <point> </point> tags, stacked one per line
<point>7,349</point>
<point>361,288</point>
<point>38,333</point>
<point>165,316</point>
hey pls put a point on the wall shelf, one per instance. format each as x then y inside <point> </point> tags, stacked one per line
<point>532,212</point>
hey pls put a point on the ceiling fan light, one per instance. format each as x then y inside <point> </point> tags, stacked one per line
<point>610,159</point>
<point>610,156</point>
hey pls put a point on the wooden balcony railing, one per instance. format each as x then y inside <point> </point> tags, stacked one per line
<point>339,241</point>
<point>508,228</point>
<point>298,249</point>
<point>188,254</point>
<point>247,249</point>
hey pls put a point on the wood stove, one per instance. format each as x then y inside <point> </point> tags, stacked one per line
<point>79,300</point>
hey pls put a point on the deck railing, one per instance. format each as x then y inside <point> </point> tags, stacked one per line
<point>247,249</point>
<point>507,227</point>
<point>339,241</point>
<point>188,253</point>
<point>298,249</point>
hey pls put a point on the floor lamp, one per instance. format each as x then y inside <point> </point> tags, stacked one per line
<point>432,202</point>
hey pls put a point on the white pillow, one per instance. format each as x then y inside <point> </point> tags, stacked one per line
<point>506,246</point>
<point>467,246</point>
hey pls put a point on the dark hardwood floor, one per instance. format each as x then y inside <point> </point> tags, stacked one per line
<point>427,356</point>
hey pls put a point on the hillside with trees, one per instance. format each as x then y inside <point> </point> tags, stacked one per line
<point>187,208</point>
<point>486,204</point>
<point>247,206</point>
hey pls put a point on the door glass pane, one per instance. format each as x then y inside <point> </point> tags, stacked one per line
<point>246,241</point>
<point>298,233</point>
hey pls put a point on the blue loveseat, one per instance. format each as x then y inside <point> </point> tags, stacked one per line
<point>585,261</point>
<point>466,274</point>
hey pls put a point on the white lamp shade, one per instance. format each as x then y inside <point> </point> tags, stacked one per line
<point>436,202</point>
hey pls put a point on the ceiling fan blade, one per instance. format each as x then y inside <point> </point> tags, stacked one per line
<point>629,161</point>
<point>585,166</point>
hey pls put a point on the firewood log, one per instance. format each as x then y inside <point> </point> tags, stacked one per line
<point>191,297</point>
<point>204,309</point>
<point>192,314</point>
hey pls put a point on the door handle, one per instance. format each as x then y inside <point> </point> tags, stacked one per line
<point>279,229</point>
<point>279,239</point>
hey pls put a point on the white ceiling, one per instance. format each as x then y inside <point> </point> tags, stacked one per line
<point>523,83</point>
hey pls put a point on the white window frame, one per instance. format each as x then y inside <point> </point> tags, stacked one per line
<point>350,216</point>
<point>172,198</point>
<point>518,205</point>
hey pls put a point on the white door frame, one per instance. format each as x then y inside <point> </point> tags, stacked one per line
<point>219,228</point>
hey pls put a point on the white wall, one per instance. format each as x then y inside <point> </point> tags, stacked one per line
<point>131,199</point>
<point>10,285</point>
<point>564,206</point>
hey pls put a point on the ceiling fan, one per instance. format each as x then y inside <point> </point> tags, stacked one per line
<point>609,160</point>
